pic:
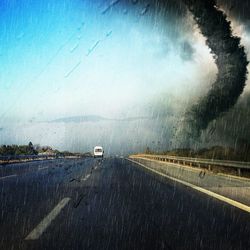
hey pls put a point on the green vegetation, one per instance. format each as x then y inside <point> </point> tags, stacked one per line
<point>30,149</point>
<point>215,152</point>
<point>18,149</point>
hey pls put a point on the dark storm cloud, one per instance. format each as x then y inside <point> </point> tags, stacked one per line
<point>229,54</point>
<point>240,10</point>
<point>230,59</point>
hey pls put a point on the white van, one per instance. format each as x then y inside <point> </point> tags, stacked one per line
<point>98,151</point>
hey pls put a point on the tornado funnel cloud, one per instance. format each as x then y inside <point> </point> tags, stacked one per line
<point>231,61</point>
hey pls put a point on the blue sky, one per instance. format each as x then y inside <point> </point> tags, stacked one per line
<point>64,58</point>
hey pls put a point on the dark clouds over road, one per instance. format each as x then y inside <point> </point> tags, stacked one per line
<point>151,59</point>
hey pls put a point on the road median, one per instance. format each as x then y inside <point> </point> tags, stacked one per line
<point>4,160</point>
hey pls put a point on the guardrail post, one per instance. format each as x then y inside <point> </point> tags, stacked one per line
<point>239,171</point>
<point>209,167</point>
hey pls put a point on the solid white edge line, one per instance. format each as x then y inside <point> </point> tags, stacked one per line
<point>41,227</point>
<point>202,190</point>
<point>8,176</point>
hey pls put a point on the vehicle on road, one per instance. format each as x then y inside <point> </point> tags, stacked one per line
<point>98,151</point>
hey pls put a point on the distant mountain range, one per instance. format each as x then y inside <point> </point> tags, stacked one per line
<point>95,118</point>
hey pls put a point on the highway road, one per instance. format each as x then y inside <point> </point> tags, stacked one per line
<point>110,204</point>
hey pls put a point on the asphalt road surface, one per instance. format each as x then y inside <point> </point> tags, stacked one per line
<point>110,204</point>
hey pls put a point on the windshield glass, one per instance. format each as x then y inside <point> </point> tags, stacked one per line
<point>125,124</point>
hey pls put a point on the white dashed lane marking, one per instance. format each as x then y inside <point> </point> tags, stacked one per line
<point>42,168</point>
<point>8,176</point>
<point>85,178</point>
<point>42,226</point>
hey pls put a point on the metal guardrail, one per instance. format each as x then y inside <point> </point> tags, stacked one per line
<point>23,158</point>
<point>200,162</point>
